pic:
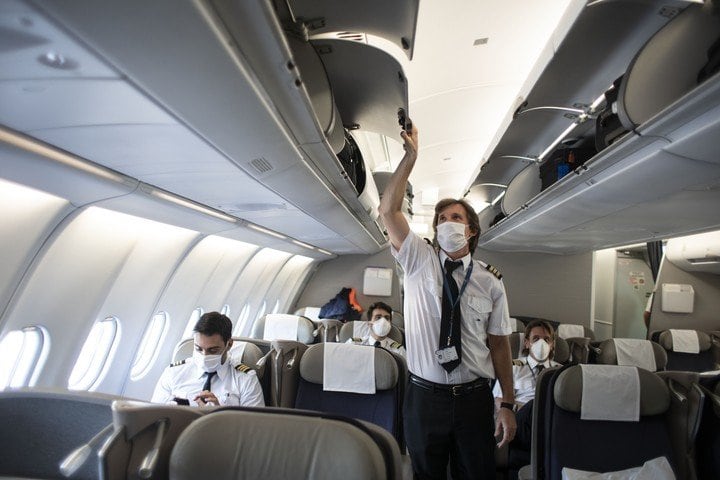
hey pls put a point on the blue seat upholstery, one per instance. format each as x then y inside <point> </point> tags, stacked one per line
<point>381,408</point>
<point>692,362</point>
<point>563,439</point>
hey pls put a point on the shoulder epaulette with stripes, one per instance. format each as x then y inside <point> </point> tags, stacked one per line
<point>178,363</point>
<point>518,362</point>
<point>494,271</point>
<point>395,345</point>
<point>356,340</point>
<point>242,368</point>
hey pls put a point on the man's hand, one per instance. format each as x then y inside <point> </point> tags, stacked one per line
<point>206,398</point>
<point>411,141</point>
<point>505,424</point>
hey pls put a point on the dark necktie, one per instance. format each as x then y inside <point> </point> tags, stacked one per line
<point>448,314</point>
<point>208,380</point>
<point>539,368</point>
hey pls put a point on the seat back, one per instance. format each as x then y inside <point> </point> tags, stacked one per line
<point>381,408</point>
<point>707,444</point>
<point>313,313</point>
<point>284,365</point>
<point>41,427</point>
<point>327,330</point>
<point>702,361</point>
<point>144,436</point>
<point>305,332</point>
<point>280,443</point>
<point>568,330</point>
<point>602,445</point>
<point>359,329</point>
<point>608,354</point>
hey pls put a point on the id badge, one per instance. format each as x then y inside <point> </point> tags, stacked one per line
<point>446,355</point>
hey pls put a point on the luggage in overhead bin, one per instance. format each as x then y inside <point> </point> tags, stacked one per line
<point>608,126</point>
<point>562,162</point>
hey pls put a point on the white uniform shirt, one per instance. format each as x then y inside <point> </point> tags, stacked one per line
<point>387,343</point>
<point>230,386</point>
<point>483,307</point>
<point>525,379</point>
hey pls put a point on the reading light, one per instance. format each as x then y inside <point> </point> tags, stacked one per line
<point>266,231</point>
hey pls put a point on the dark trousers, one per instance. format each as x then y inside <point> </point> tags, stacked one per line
<point>441,427</point>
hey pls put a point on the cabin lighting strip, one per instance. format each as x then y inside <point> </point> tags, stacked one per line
<point>33,146</point>
<point>266,231</point>
<point>183,202</point>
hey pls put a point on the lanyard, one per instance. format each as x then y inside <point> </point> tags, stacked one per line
<point>453,303</point>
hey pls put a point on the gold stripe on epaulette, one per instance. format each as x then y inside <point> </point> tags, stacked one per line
<point>395,345</point>
<point>178,363</point>
<point>494,271</point>
<point>518,362</point>
<point>242,368</point>
<point>357,340</point>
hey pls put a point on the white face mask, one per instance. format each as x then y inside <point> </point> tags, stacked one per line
<point>381,327</point>
<point>207,363</point>
<point>540,350</point>
<point>451,236</point>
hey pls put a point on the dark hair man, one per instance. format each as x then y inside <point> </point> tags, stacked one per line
<point>208,378</point>
<point>456,328</point>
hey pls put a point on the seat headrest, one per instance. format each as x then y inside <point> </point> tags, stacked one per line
<point>562,351</point>
<point>608,354</point>
<point>654,394</point>
<point>274,445</point>
<point>567,330</point>
<point>386,368</point>
<point>360,328</point>
<point>666,341</point>
<point>305,328</point>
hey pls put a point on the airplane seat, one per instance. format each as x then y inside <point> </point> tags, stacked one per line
<point>313,313</point>
<point>42,427</point>
<point>398,319</point>
<point>284,357</point>
<point>687,350</point>
<point>562,351</point>
<point>579,339</point>
<point>600,418</point>
<point>517,342</point>
<point>361,328</point>
<point>707,443</point>
<point>327,330</point>
<point>144,435</point>
<point>568,330</point>
<point>634,352</point>
<point>280,443</point>
<point>280,326</point>
<point>356,381</point>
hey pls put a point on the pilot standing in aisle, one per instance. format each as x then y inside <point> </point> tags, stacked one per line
<point>380,320</point>
<point>457,327</point>
<point>209,378</point>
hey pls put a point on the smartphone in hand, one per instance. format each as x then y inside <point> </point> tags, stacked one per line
<point>181,401</point>
<point>404,121</point>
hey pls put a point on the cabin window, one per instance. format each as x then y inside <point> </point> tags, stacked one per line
<point>194,317</point>
<point>150,345</point>
<point>22,355</point>
<point>226,310</point>
<point>94,358</point>
<point>242,320</point>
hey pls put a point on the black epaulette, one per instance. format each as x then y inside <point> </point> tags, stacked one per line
<point>356,340</point>
<point>178,363</point>
<point>518,362</point>
<point>427,240</point>
<point>395,345</point>
<point>241,367</point>
<point>494,271</point>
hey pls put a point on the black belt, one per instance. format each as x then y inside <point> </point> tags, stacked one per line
<point>455,390</point>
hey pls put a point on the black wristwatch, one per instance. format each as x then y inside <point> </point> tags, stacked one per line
<point>508,405</point>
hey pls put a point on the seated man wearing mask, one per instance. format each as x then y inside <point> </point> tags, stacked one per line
<point>538,350</point>
<point>209,378</point>
<point>380,319</point>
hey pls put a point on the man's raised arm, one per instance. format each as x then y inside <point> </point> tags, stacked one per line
<point>392,198</point>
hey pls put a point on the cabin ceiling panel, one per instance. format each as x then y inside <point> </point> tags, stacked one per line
<point>31,47</point>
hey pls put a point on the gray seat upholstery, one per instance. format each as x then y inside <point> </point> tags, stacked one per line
<point>250,356</point>
<point>607,354</point>
<point>328,330</point>
<point>305,330</point>
<point>284,366</point>
<point>144,436</point>
<point>41,427</point>
<point>283,444</point>
<point>346,332</point>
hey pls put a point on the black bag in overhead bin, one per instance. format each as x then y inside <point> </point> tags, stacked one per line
<point>608,127</point>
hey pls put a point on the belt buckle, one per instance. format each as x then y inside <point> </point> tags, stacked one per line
<point>456,390</point>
